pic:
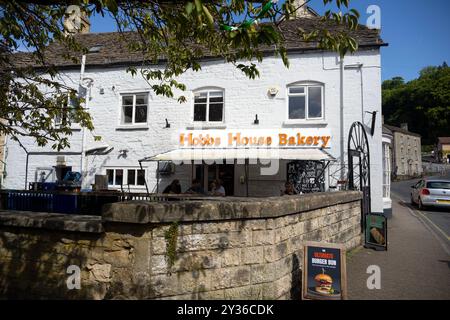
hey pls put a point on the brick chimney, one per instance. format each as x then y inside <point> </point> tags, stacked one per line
<point>302,11</point>
<point>404,126</point>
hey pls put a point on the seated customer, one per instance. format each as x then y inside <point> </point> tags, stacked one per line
<point>196,187</point>
<point>174,187</point>
<point>219,190</point>
<point>212,187</point>
<point>289,189</point>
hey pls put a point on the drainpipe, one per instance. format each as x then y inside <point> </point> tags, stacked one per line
<point>83,129</point>
<point>341,118</point>
<point>83,167</point>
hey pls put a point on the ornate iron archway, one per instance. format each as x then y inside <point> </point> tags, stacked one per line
<point>359,165</point>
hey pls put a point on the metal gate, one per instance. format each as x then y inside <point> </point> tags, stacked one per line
<point>359,166</point>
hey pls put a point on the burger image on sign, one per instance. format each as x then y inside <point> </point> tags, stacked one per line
<point>324,284</point>
<point>323,274</point>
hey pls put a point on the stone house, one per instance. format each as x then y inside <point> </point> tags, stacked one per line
<point>407,152</point>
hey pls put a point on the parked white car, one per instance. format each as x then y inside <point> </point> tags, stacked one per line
<point>431,192</point>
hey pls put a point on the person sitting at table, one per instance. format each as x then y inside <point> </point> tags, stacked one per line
<point>218,190</point>
<point>212,187</point>
<point>289,189</point>
<point>174,187</point>
<point>196,187</point>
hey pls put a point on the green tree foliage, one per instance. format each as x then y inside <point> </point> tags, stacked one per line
<point>180,31</point>
<point>423,103</point>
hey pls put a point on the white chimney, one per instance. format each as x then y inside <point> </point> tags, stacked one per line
<point>404,126</point>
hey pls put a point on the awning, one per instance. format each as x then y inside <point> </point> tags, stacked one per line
<point>198,154</point>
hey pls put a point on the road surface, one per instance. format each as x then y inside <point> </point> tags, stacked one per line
<point>437,219</point>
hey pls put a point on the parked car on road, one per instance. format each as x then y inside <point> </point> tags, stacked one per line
<point>431,192</point>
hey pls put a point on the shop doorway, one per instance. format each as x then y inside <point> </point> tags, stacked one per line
<point>209,173</point>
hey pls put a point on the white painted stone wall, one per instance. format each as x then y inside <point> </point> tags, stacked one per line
<point>243,99</point>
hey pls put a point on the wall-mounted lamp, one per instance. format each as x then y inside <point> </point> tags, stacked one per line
<point>273,91</point>
<point>167,124</point>
<point>374,119</point>
<point>256,121</point>
<point>123,153</point>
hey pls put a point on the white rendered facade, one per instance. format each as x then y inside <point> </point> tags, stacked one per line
<point>351,89</point>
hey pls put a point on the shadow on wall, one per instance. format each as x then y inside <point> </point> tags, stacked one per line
<point>34,264</point>
<point>296,283</point>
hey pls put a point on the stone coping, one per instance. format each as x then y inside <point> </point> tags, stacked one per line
<point>51,221</point>
<point>229,208</point>
<point>201,209</point>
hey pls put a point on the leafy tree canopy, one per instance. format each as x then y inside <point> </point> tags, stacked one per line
<point>423,103</point>
<point>179,31</point>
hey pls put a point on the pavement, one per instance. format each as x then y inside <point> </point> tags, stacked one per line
<point>417,262</point>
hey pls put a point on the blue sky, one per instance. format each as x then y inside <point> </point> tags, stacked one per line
<point>418,33</point>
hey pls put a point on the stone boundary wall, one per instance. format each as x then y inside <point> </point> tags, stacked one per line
<point>226,248</point>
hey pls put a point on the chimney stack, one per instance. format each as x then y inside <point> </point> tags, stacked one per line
<point>302,9</point>
<point>404,126</point>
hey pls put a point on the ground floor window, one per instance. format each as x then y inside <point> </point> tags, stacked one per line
<point>208,174</point>
<point>125,177</point>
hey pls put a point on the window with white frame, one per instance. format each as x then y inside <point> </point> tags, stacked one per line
<point>134,108</point>
<point>305,102</point>
<point>208,105</point>
<point>126,177</point>
<point>66,113</point>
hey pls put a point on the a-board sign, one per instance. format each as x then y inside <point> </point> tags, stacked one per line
<point>324,271</point>
<point>306,176</point>
<point>376,232</point>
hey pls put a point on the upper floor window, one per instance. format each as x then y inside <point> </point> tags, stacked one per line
<point>134,108</point>
<point>66,113</point>
<point>208,105</point>
<point>305,101</point>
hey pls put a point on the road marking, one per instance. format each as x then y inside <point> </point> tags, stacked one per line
<point>420,217</point>
<point>442,231</point>
<point>424,216</point>
<point>441,242</point>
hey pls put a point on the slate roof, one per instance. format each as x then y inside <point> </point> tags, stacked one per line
<point>444,140</point>
<point>113,45</point>
<point>401,130</point>
<point>385,130</point>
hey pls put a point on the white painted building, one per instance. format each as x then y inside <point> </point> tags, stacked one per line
<point>388,139</point>
<point>132,119</point>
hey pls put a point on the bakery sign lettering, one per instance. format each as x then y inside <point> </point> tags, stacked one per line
<point>267,138</point>
<point>324,272</point>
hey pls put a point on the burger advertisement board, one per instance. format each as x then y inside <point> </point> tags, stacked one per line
<point>324,272</point>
